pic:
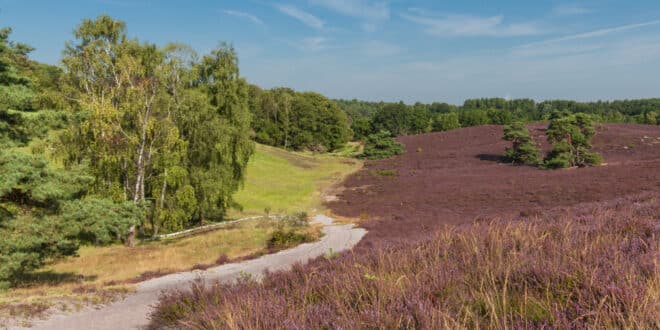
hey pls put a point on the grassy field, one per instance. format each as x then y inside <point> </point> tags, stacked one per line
<point>284,182</point>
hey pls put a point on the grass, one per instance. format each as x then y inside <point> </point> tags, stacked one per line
<point>97,272</point>
<point>593,266</point>
<point>282,181</point>
<point>288,182</point>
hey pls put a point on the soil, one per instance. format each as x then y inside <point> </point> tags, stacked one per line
<point>457,177</point>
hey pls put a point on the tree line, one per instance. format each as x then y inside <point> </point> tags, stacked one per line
<point>401,119</point>
<point>285,118</point>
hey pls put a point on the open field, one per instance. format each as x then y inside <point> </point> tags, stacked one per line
<point>458,239</point>
<point>287,182</point>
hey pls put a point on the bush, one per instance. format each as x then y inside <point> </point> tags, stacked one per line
<point>299,219</point>
<point>284,239</point>
<point>381,146</point>
<point>523,150</point>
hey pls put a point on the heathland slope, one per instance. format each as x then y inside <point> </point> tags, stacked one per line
<point>456,177</point>
<point>458,239</point>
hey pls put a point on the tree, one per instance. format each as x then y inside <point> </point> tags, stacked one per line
<point>392,118</point>
<point>570,137</point>
<point>523,149</point>
<point>31,195</point>
<point>473,118</point>
<point>285,118</point>
<point>446,121</point>
<point>121,87</point>
<point>381,145</point>
<point>217,128</point>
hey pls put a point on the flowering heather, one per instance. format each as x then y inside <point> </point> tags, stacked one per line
<point>589,266</point>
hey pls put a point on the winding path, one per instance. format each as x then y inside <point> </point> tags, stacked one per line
<point>133,312</point>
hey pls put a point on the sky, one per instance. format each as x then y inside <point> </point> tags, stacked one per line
<point>422,50</point>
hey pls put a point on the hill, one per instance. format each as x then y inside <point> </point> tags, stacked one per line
<point>455,177</point>
<point>458,239</point>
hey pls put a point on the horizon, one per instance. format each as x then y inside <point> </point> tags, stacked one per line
<point>392,51</point>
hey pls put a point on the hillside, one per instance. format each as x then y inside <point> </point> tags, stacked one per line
<point>455,177</point>
<point>457,239</point>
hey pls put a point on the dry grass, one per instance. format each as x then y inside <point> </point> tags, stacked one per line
<point>93,277</point>
<point>592,266</point>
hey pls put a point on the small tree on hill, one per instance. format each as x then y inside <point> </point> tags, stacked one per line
<point>381,145</point>
<point>571,142</point>
<point>523,150</point>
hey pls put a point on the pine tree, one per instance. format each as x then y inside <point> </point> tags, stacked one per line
<point>570,136</point>
<point>523,149</point>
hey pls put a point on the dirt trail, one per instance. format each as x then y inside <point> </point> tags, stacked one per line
<point>132,312</point>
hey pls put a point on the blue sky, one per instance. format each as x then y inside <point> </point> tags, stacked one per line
<point>392,50</point>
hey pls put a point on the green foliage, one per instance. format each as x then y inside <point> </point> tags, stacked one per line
<point>570,137</point>
<point>101,221</point>
<point>157,124</point>
<point>413,119</point>
<point>300,121</point>
<point>381,145</point>
<point>473,118</point>
<point>499,116</point>
<point>31,195</point>
<point>27,180</point>
<point>221,144</point>
<point>282,239</point>
<point>523,150</point>
<point>361,128</point>
<point>446,122</point>
<point>29,241</point>
<point>395,118</point>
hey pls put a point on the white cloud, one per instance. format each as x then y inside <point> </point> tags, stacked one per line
<point>252,18</point>
<point>570,10</point>
<point>470,26</point>
<point>303,16</point>
<point>371,10</point>
<point>313,44</point>
<point>373,13</point>
<point>592,34</point>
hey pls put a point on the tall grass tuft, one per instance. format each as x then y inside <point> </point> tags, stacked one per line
<point>594,266</point>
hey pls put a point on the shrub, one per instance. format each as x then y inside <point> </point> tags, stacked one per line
<point>523,150</point>
<point>283,239</point>
<point>298,219</point>
<point>381,145</point>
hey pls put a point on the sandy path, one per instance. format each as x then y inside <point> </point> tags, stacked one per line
<point>132,312</point>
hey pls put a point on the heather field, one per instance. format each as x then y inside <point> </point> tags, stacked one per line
<point>593,266</point>
<point>458,239</point>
